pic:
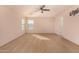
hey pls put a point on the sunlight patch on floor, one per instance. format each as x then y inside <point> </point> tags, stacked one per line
<point>40,37</point>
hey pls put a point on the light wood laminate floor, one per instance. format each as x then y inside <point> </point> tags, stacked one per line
<point>40,43</point>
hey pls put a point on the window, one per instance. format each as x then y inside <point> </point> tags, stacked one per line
<point>23,24</point>
<point>30,24</point>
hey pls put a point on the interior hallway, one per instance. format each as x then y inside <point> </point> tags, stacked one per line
<point>40,43</point>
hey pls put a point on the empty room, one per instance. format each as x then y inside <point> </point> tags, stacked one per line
<point>39,28</point>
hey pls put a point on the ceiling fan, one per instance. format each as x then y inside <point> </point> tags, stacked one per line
<point>42,8</point>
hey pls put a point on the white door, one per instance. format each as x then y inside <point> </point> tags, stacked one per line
<point>58,28</point>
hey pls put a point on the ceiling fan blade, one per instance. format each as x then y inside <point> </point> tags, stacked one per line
<point>38,9</point>
<point>42,7</point>
<point>46,9</point>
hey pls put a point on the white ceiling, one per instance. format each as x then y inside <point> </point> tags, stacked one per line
<point>31,10</point>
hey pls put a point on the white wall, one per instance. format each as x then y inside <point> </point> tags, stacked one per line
<point>42,25</point>
<point>9,25</point>
<point>70,26</point>
<point>71,29</point>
